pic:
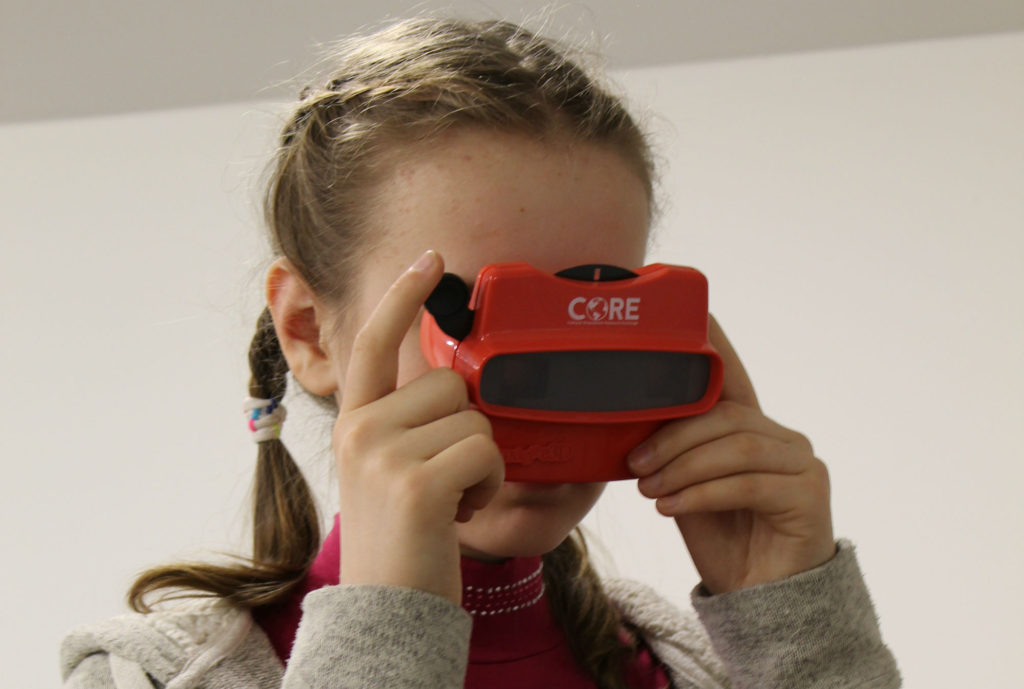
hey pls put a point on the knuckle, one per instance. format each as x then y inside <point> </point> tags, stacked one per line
<point>482,445</point>
<point>388,456</point>
<point>374,476</point>
<point>478,423</point>
<point>665,507</point>
<point>494,454</point>
<point>446,375</point>
<point>801,441</point>
<point>732,412</point>
<point>478,443</point>
<point>646,488</point>
<point>748,444</point>
<point>408,489</point>
<point>451,385</point>
<point>354,435</point>
<point>748,488</point>
<point>820,482</point>
<point>493,447</point>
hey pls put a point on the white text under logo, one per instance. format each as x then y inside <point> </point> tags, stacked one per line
<point>598,309</point>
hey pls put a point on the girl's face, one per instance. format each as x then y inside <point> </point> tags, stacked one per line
<point>480,197</point>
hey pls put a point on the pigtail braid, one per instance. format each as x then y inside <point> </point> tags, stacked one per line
<point>592,624</point>
<point>286,527</point>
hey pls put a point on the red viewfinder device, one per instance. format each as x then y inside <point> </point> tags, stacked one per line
<point>577,368</point>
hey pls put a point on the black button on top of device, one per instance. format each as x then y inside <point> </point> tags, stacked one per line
<point>449,302</point>
<point>449,305</point>
<point>596,272</point>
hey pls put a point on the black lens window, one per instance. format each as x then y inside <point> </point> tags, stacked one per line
<point>595,380</point>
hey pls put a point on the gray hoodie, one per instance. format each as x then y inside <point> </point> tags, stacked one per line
<point>816,629</point>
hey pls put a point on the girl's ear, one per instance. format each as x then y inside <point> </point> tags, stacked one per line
<point>298,317</point>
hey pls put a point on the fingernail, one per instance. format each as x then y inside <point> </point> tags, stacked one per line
<point>640,458</point>
<point>424,262</point>
<point>670,504</point>
<point>650,485</point>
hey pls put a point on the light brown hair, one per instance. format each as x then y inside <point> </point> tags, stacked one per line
<point>401,87</point>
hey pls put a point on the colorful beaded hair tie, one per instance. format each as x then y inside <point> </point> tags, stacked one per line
<point>265,418</point>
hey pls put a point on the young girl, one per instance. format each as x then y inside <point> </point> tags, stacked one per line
<point>440,145</point>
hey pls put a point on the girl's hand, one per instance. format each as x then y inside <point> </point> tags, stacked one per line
<point>411,462</point>
<point>749,497</point>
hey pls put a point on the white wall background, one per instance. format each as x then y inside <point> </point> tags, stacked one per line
<point>860,216</point>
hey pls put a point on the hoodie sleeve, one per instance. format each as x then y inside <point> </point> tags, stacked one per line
<point>814,629</point>
<point>105,671</point>
<point>377,636</point>
<point>92,672</point>
<point>182,648</point>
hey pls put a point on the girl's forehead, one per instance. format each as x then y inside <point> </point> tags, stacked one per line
<point>483,198</point>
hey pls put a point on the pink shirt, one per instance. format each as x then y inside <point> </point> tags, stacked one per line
<point>515,640</point>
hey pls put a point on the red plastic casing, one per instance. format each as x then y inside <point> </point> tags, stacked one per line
<point>521,309</point>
